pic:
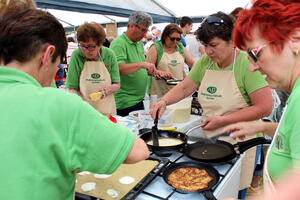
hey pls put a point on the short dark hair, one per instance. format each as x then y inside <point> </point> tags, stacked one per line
<point>91,31</point>
<point>207,31</point>
<point>70,39</point>
<point>169,29</point>
<point>185,20</point>
<point>24,34</point>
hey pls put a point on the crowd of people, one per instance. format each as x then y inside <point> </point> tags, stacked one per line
<point>238,59</point>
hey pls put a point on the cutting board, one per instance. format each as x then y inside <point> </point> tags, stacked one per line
<point>137,171</point>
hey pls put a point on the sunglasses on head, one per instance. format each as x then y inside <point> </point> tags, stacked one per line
<point>174,38</point>
<point>216,21</point>
<point>254,54</point>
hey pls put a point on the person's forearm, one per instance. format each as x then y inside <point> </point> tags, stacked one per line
<point>269,128</point>
<point>126,69</point>
<point>250,113</point>
<point>179,92</point>
<point>115,87</point>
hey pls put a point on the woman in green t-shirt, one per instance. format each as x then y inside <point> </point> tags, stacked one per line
<point>273,44</point>
<point>227,91</point>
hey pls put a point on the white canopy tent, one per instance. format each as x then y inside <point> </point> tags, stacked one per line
<point>73,13</point>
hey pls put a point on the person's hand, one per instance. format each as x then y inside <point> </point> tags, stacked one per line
<point>213,122</point>
<point>243,129</point>
<point>150,67</point>
<point>159,74</point>
<point>158,107</point>
<point>106,90</point>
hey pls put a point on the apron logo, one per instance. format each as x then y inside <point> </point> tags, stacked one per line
<point>173,63</point>
<point>211,90</point>
<point>95,75</point>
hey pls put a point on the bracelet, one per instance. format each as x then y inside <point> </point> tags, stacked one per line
<point>166,102</point>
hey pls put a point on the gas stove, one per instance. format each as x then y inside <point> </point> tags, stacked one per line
<point>159,189</point>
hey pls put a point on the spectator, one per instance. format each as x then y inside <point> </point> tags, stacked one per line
<point>72,45</point>
<point>186,24</point>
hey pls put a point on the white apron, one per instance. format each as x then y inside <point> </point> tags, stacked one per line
<point>173,63</point>
<point>268,183</point>
<point>93,76</point>
<point>219,95</point>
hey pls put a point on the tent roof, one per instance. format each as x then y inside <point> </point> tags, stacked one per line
<point>119,8</point>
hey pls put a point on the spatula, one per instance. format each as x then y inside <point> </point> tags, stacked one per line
<point>155,131</point>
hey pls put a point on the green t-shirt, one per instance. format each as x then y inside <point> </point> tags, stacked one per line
<point>247,81</point>
<point>160,50</point>
<point>285,153</point>
<point>47,134</point>
<point>78,59</point>
<point>133,86</point>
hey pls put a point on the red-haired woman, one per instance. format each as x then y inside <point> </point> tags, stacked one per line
<point>270,33</point>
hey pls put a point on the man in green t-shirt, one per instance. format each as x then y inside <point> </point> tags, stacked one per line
<point>48,134</point>
<point>134,69</point>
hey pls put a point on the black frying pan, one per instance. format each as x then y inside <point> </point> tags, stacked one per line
<point>164,150</point>
<point>220,151</point>
<point>207,192</point>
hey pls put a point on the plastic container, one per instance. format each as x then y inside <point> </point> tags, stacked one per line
<point>181,110</point>
<point>166,119</point>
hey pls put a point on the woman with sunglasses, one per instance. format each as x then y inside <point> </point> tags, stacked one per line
<point>94,68</point>
<point>227,91</point>
<point>168,55</point>
<point>273,44</point>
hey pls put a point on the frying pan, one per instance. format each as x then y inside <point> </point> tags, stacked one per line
<point>171,81</point>
<point>220,151</point>
<point>207,192</point>
<point>164,150</point>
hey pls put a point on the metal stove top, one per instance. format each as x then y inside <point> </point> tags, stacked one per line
<point>159,189</point>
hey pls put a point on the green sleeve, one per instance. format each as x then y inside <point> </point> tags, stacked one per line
<point>197,72</point>
<point>159,50</point>
<point>96,144</point>
<point>110,61</point>
<point>252,81</point>
<point>74,70</point>
<point>119,48</point>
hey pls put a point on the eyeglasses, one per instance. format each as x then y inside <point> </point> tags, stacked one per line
<point>216,21</point>
<point>174,38</point>
<point>88,47</point>
<point>255,53</point>
<point>142,29</point>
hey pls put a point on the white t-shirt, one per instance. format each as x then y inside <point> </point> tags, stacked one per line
<point>71,47</point>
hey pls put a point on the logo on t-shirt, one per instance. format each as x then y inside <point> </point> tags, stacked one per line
<point>278,143</point>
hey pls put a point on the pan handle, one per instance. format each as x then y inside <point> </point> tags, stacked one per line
<point>194,128</point>
<point>209,195</point>
<point>243,146</point>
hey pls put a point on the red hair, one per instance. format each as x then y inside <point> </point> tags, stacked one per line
<point>276,20</point>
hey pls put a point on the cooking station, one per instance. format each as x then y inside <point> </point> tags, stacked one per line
<point>154,187</point>
<point>227,186</point>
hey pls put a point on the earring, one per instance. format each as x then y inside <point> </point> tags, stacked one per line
<point>297,53</point>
